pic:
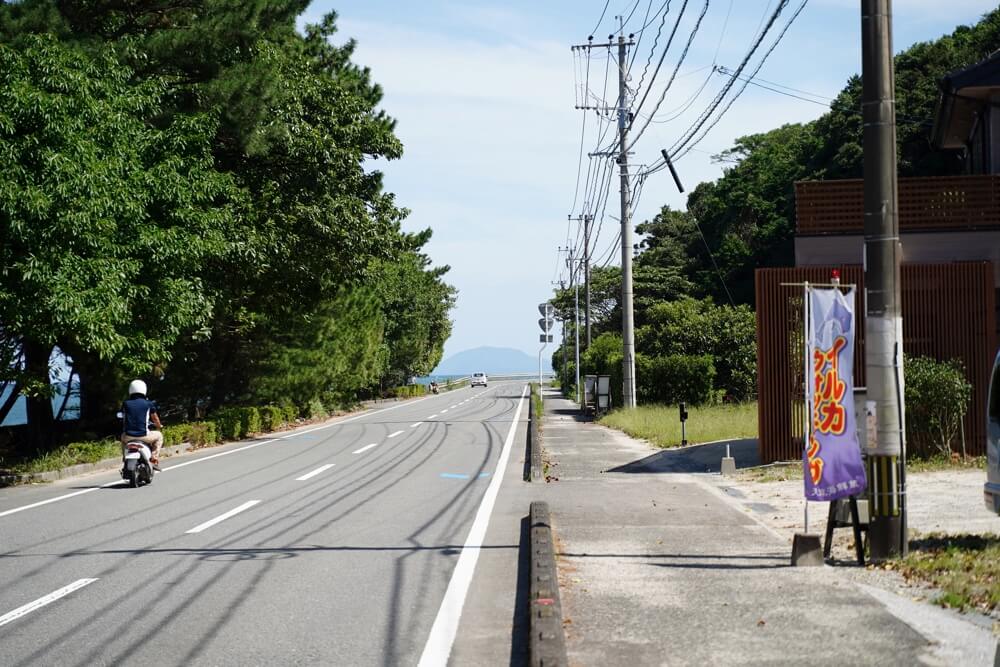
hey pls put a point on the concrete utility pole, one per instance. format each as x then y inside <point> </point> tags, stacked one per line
<point>562,288</point>
<point>587,221</point>
<point>571,260</point>
<point>628,322</point>
<point>883,314</point>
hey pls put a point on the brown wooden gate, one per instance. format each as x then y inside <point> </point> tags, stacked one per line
<point>948,313</point>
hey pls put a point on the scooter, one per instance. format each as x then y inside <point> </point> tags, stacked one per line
<point>137,468</point>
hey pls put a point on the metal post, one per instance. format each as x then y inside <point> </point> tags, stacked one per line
<point>883,321</point>
<point>628,333</point>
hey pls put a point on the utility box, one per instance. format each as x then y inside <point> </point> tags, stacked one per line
<point>603,393</point>
<point>589,393</point>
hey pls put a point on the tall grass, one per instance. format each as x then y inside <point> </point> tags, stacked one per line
<point>660,424</point>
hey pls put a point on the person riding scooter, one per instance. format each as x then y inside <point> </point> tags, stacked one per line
<point>137,412</point>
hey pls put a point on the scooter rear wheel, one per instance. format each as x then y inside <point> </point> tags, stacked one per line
<point>133,478</point>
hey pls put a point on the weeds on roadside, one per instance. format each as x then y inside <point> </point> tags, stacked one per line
<point>966,569</point>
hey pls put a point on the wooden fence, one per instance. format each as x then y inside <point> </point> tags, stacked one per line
<point>948,313</point>
<point>939,203</point>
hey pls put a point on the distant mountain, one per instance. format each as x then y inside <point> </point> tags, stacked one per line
<point>492,360</point>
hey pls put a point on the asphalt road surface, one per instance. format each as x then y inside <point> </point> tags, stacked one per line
<point>353,543</point>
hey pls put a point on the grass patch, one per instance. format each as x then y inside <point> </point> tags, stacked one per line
<point>966,569</point>
<point>779,472</point>
<point>67,455</point>
<point>940,463</point>
<point>661,425</point>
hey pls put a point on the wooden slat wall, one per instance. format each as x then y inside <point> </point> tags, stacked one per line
<point>948,312</point>
<point>938,203</point>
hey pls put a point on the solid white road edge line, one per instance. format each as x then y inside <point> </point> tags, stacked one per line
<point>222,517</point>
<point>393,435</point>
<point>365,448</point>
<point>42,601</point>
<point>445,627</point>
<point>315,472</point>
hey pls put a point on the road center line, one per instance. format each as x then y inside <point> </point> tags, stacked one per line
<point>393,435</point>
<point>444,411</point>
<point>222,517</point>
<point>315,472</point>
<point>415,425</point>
<point>213,456</point>
<point>365,448</point>
<point>433,416</point>
<point>445,627</point>
<point>58,498</point>
<point>24,610</point>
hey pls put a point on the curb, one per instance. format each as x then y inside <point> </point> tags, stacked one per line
<point>547,645</point>
<point>534,443</point>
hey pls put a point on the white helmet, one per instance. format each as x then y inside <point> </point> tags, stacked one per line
<point>137,387</point>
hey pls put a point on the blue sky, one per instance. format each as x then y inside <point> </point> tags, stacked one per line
<point>484,93</point>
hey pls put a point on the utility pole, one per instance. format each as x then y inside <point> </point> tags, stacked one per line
<point>587,221</point>
<point>574,283</point>
<point>628,322</point>
<point>562,288</point>
<point>624,119</point>
<point>883,314</point>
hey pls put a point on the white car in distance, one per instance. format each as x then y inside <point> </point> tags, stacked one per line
<point>478,380</point>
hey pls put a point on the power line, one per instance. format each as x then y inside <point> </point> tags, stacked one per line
<point>603,12</point>
<point>717,101</point>
<point>733,99</point>
<point>656,71</point>
<point>680,61</point>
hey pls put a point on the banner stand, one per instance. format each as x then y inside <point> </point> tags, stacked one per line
<point>834,520</point>
<point>833,469</point>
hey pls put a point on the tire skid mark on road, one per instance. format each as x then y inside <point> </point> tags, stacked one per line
<point>442,636</point>
<point>211,457</point>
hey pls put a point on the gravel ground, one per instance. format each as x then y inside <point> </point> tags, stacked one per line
<point>942,502</point>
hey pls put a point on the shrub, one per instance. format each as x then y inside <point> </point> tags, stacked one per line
<point>676,378</point>
<point>202,434</point>
<point>291,412</point>
<point>230,423</point>
<point>175,434</point>
<point>271,418</point>
<point>317,410</point>
<point>251,420</point>
<point>937,397</point>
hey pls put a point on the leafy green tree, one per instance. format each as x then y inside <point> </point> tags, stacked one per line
<point>107,219</point>
<point>416,304</point>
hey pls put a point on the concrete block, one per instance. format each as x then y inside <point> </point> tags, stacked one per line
<point>728,466</point>
<point>807,551</point>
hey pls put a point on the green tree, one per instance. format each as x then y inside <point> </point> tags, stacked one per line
<point>106,218</point>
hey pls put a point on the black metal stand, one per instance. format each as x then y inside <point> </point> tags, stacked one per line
<point>832,522</point>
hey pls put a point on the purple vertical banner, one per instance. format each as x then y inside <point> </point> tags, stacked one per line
<point>832,457</point>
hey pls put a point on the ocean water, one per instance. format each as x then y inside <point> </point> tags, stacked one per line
<point>18,414</point>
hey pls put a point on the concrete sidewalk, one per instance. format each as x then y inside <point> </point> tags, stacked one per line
<point>660,568</point>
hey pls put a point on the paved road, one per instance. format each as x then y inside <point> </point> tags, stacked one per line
<point>331,545</point>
